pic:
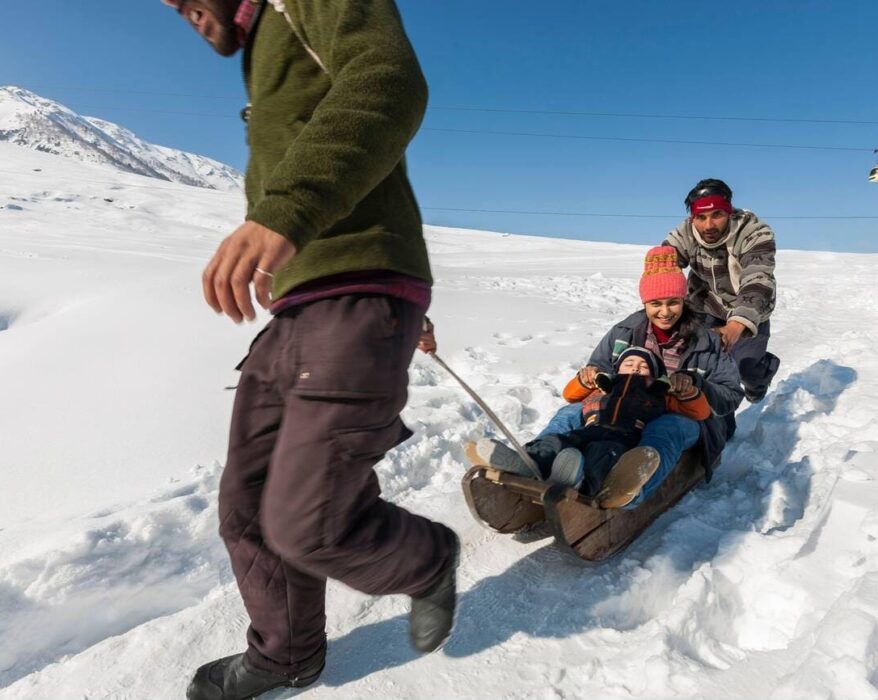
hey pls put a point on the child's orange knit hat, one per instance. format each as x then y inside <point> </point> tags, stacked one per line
<point>662,278</point>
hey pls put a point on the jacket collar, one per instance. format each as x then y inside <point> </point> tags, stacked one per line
<point>638,323</point>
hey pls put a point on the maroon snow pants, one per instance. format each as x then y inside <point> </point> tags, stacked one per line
<point>317,406</point>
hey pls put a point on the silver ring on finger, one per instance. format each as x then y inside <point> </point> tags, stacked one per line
<point>264,272</point>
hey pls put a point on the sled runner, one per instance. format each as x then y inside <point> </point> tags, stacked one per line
<point>508,503</point>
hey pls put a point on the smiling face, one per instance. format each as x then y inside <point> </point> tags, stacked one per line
<point>215,21</point>
<point>664,313</point>
<point>711,225</point>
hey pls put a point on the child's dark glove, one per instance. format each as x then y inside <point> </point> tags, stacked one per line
<point>683,386</point>
<point>604,382</point>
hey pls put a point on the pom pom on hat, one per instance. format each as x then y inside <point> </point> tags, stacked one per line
<point>662,278</point>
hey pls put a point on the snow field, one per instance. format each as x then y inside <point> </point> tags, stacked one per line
<point>113,583</point>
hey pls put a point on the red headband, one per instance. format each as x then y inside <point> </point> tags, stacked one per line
<point>713,201</point>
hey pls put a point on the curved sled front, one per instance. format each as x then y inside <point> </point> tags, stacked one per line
<point>503,502</point>
<point>507,503</point>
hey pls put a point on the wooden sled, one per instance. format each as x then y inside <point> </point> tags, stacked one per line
<point>508,503</point>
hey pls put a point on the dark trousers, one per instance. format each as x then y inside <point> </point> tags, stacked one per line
<point>756,365</point>
<point>601,448</point>
<point>316,408</point>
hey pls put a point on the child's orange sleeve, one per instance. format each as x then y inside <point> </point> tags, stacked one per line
<point>574,391</point>
<point>695,408</point>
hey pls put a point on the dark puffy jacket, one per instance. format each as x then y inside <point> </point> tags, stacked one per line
<point>712,370</point>
<point>629,402</point>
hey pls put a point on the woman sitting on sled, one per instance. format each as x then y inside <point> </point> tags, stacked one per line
<point>615,409</point>
<point>599,456</point>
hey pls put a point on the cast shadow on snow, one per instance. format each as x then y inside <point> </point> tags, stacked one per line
<point>550,594</point>
<point>760,459</point>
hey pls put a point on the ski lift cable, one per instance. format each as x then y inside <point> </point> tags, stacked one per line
<point>490,110</point>
<point>642,115</point>
<point>534,134</point>
<point>644,140</point>
<point>627,216</point>
<point>224,193</point>
<point>528,134</point>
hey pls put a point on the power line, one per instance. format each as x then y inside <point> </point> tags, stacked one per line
<point>224,193</point>
<point>530,134</point>
<point>626,216</point>
<point>224,115</point>
<point>501,110</point>
<point>153,93</point>
<point>640,115</point>
<point>643,140</point>
<point>554,213</point>
<point>492,132</point>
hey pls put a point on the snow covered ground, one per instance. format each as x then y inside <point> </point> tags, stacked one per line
<point>113,416</point>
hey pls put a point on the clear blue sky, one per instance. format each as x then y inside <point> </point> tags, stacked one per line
<point>137,64</point>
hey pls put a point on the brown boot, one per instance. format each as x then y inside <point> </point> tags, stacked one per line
<point>627,477</point>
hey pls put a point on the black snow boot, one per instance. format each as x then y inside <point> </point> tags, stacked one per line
<point>432,614</point>
<point>235,678</point>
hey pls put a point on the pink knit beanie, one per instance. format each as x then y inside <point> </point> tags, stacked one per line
<point>662,278</point>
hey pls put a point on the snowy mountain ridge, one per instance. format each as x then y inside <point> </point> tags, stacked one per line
<point>31,121</point>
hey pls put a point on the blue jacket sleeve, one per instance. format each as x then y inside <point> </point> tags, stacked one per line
<point>721,385</point>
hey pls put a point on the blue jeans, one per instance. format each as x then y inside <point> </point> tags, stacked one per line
<point>670,435</point>
<point>567,418</point>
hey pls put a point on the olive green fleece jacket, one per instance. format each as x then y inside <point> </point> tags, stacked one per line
<point>326,166</point>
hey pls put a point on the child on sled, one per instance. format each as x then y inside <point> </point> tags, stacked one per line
<point>601,459</point>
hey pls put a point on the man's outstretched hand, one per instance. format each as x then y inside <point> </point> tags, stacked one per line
<point>730,334</point>
<point>251,254</point>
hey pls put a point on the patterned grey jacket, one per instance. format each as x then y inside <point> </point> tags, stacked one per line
<point>732,279</point>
